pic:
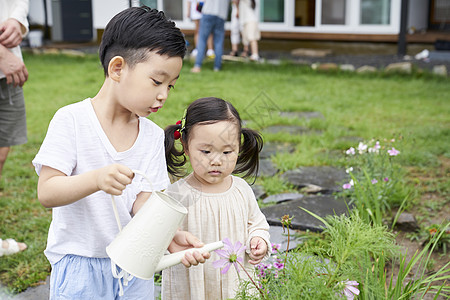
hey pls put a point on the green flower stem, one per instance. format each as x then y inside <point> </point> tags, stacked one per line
<point>251,279</point>
<point>287,248</point>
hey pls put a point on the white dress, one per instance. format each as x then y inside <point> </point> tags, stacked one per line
<point>233,214</point>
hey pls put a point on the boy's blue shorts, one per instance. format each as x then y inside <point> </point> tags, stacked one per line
<point>78,277</point>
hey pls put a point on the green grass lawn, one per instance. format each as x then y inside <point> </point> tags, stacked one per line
<point>415,108</point>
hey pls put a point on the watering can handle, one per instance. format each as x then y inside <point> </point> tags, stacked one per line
<point>116,213</point>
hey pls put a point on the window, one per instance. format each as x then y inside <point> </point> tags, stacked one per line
<point>375,12</point>
<point>333,12</point>
<point>272,10</point>
<point>305,13</point>
<point>149,3</point>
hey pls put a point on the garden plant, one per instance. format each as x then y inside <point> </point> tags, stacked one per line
<point>402,118</point>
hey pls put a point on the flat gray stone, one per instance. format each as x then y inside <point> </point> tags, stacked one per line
<point>270,149</point>
<point>258,191</point>
<point>277,236</point>
<point>267,168</point>
<point>279,198</point>
<point>407,222</point>
<point>347,67</point>
<point>323,205</point>
<point>302,115</point>
<point>440,70</point>
<point>401,67</point>
<point>366,69</point>
<point>298,130</point>
<point>39,292</point>
<point>326,177</point>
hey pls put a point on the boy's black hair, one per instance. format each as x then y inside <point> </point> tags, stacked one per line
<point>208,111</point>
<point>135,31</point>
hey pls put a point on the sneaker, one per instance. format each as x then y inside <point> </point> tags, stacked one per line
<point>255,57</point>
<point>196,70</point>
<point>210,53</point>
<point>194,52</point>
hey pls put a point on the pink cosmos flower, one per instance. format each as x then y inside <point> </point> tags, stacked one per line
<point>230,255</point>
<point>275,248</point>
<point>362,148</point>
<point>377,146</point>
<point>393,152</point>
<point>346,186</point>
<point>350,151</point>
<point>350,290</point>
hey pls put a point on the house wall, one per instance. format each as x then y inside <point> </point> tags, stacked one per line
<point>418,14</point>
<point>104,10</point>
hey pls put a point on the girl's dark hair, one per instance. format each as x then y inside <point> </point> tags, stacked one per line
<point>136,31</point>
<point>208,111</point>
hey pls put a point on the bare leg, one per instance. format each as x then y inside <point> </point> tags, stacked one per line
<point>254,47</point>
<point>3,155</point>
<point>197,24</point>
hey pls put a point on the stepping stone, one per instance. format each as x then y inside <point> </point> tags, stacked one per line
<point>299,130</point>
<point>311,52</point>
<point>326,177</point>
<point>401,67</point>
<point>271,149</point>
<point>258,191</point>
<point>278,236</point>
<point>279,198</point>
<point>323,205</point>
<point>302,115</point>
<point>267,168</point>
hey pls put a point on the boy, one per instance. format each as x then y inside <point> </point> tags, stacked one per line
<point>92,146</point>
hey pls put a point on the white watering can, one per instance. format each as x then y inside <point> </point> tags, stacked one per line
<point>139,247</point>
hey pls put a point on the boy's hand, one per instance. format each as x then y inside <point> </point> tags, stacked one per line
<point>258,249</point>
<point>114,178</point>
<point>11,33</point>
<point>185,240</point>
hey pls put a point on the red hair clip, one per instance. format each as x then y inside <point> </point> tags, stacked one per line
<point>177,133</point>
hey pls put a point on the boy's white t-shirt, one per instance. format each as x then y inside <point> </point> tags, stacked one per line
<point>76,143</point>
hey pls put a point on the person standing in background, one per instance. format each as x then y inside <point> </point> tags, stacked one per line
<point>13,75</point>
<point>194,13</point>
<point>235,32</point>
<point>248,20</point>
<point>214,14</point>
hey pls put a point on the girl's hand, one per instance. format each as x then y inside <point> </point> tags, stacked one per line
<point>258,249</point>
<point>114,178</point>
<point>185,240</point>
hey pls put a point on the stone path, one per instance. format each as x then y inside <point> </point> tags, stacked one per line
<point>315,187</point>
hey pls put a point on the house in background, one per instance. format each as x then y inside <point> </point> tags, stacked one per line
<point>330,20</point>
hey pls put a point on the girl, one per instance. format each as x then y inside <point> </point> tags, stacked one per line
<point>220,205</point>
<point>248,19</point>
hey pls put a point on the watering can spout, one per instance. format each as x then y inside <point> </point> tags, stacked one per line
<point>173,259</point>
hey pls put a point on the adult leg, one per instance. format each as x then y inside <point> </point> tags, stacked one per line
<point>197,26</point>
<point>219,35</point>
<point>13,124</point>
<point>203,33</point>
<point>254,48</point>
<point>3,155</point>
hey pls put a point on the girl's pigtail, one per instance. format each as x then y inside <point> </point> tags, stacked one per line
<point>248,160</point>
<point>175,159</point>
